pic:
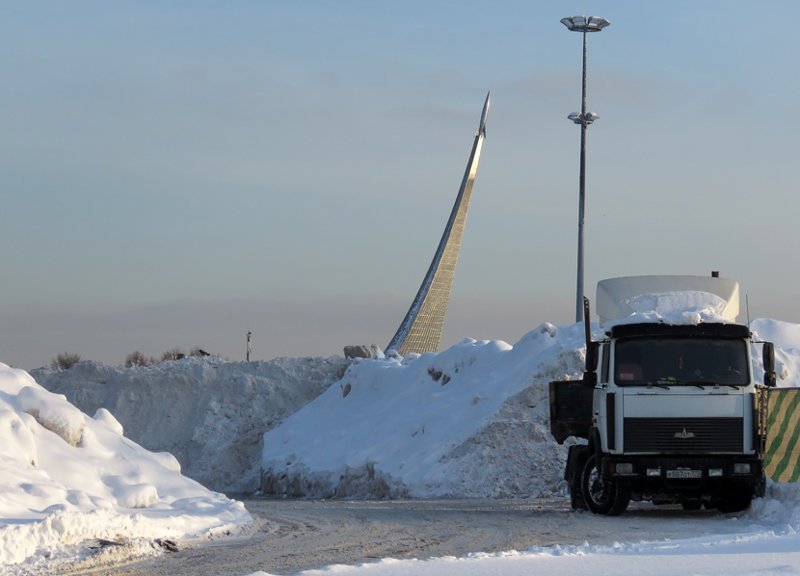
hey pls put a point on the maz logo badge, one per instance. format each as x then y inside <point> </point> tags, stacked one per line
<point>684,435</point>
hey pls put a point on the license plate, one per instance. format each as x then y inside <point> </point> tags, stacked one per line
<point>684,473</point>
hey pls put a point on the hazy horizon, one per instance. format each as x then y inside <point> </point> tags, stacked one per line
<point>176,175</point>
<point>319,328</point>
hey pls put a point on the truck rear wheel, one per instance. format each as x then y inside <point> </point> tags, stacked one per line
<point>603,496</point>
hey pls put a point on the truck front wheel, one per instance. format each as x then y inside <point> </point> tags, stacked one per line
<point>576,460</point>
<point>735,499</point>
<point>603,496</point>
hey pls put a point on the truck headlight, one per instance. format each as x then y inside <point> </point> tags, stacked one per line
<point>654,472</point>
<point>624,468</point>
<point>741,468</point>
<point>714,472</point>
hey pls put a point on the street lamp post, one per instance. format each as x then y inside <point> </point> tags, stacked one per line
<point>582,24</point>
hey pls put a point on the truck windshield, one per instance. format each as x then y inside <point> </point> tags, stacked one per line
<point>675,361</point>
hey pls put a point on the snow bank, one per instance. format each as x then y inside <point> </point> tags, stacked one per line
<point>471,421</point>
<point>211,414</point>
<point>786,337</point>
<point>53,412</point>
<point>66,478</point>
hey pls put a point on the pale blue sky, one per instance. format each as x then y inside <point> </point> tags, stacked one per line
<point>176,173</point>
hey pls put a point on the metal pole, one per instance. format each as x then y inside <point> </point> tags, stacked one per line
<point>584,25</point>
<point>581,195</point>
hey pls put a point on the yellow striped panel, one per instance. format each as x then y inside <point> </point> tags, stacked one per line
<point>782,453</point>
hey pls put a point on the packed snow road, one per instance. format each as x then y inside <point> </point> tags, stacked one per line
<point>296,535</point>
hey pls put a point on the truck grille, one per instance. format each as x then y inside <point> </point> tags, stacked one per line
<point>684,435</point>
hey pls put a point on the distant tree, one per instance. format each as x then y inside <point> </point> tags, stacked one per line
<point>136,358</point>
<point>174,354</point>
<point>65,361</point>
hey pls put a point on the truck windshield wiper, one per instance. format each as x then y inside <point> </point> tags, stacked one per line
<point>734,386</point>
<point>657,384</point>
<point>696,383</point>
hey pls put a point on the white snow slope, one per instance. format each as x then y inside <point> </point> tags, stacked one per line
<point>209,413</point>
<point>66,478</point>
<point>470,421</point>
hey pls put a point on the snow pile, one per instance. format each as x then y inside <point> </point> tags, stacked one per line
<point>66,478</point>
<point>53,412</point>
<point>786,337</point>
<point>211,414</point>
<point>471,421</point>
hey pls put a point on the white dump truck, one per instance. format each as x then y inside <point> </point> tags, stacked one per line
<point>668,404</point>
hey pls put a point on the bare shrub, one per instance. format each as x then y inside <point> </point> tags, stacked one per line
<point>174,354</point>
<point>136,358</point>
<point>65,361</point>
<point>197,351</point>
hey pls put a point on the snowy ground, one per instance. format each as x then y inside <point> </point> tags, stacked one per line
<point>470,421</point>
<point>753,553</point>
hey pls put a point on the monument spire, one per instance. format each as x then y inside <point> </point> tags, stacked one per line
<point>421,329</point>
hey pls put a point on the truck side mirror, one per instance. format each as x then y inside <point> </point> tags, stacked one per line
<point>591,356</point>
<point>768,358</point>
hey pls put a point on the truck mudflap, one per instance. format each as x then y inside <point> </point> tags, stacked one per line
<point>571,409</point>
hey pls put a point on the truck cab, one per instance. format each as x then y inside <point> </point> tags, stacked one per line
<point>671,413</point>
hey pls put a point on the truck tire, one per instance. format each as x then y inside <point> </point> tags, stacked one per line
<point>761,486</point>
<point>691,505</point>
<point>603,496</point>
<point>736,499</point>
<point>576,460</point>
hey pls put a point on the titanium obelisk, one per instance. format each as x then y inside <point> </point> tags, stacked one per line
<point>421,329</point>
